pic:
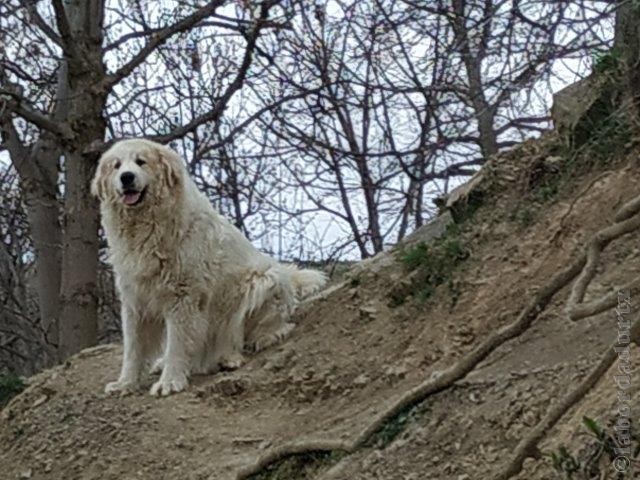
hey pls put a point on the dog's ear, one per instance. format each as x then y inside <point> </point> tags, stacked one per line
<point>170,166</point>
<point>99,182</point>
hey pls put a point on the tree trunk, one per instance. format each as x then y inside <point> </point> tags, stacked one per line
<point>484,111</point>
<point>373,216</point>
<point>78,290</point>
<point>43,211</point>
<point>79,311</point>
<point>37,169</point>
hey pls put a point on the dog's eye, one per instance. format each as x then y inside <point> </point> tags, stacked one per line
<point>140,162</point>
<point>117,165</point>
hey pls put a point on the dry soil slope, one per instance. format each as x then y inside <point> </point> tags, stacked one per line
<point>357,348</point>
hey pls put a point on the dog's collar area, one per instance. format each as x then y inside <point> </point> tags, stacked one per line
<point>131,198</point>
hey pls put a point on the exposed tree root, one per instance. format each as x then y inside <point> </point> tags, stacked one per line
<point>434,385</point>
<point>627,220</point>
<point>584,191</point>
<point>528,447</point>
<point>594,249</point>
<point>584,267</point>
<point>607,302</point>
<point>460,370</point>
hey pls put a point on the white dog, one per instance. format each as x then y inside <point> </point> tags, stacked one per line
<point>194,291</point>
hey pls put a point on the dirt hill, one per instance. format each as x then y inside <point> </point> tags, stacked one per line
<point>449,357</point>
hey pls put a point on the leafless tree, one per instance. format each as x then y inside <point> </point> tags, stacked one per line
<point>20,336</point>
<point>65,70</point>
<point>390,100</point>
<point>320,127</point>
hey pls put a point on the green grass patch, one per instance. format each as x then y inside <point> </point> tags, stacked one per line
<point>302,466</point>
<point>548,190</point>
<point>434,262</point>
<point>606,61</point>
<point>524,216</point>
<point>595,457</point>
<point>390,430</point>
<point>10,386</point>
<point>595,143</point>
<point>601,135</point>
<point>605,129</point>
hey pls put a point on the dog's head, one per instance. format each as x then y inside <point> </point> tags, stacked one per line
<point>136,172</point>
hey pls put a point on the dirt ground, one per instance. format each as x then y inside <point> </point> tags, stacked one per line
<point>354,352</point>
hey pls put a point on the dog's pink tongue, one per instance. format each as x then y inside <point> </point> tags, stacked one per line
<point>130,198</point>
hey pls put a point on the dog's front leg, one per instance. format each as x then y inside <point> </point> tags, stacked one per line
<point>186,333</point>
<point>133,354</point>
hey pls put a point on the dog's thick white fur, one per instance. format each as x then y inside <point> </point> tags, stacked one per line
<point>194,291</point>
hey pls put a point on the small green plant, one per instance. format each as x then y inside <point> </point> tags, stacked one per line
<point>523,216</point>
<point>392,428</point>
<point>596,430</point>
<point>300,466</point>
<point>10,386</point>
<point>604,129</point>
<point>599,137</point>
<point>565,463</point>
<point>587,463</point>
<point>445,251</point>
<point>547,191</point>
<point>606,60</point>
<point>434,263</point>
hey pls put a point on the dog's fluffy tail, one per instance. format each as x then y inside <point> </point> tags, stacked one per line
<point>298,283</point>
<point>305,282</point>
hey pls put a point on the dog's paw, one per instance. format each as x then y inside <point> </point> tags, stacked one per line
<point>266,341</point>
<point>232,361</point>
<point>168,385</point>
<point>123,387</point>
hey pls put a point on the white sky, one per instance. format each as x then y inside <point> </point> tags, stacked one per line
<point>322,225</point>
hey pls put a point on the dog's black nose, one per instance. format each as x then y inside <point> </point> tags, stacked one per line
<point>127,179</point>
